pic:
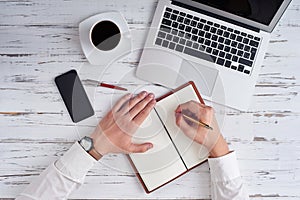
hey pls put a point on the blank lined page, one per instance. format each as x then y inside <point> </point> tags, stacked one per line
<point>191,152</point>
<point>161,163</point>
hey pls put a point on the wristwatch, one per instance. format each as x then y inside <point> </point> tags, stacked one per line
<point>88,145</point>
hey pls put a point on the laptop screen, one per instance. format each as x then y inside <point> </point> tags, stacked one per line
<point>261,11</point>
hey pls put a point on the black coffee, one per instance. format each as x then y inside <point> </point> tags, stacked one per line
<point>106,35</point>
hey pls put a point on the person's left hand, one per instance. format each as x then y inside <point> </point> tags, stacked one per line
<point>114,132</point>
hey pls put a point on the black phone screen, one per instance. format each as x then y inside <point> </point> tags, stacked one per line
<point>74,96</point>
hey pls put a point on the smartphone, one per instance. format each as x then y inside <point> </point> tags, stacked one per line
<point>74,96</point>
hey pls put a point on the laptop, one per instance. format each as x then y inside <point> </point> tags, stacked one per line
<point>218,44</point>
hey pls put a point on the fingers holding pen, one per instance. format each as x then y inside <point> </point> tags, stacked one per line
<point>196,111</point>
<point>194,119</point>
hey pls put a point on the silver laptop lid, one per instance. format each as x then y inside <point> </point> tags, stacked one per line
<point>257,14</point>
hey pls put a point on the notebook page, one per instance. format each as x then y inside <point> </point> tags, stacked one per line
<point>191,152</point>
<point>161,163</point>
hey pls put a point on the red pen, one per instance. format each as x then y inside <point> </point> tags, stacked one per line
<point>111,86</point>
<point>105,85</point>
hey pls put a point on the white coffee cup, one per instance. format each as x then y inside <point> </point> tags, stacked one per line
<point>104,37</point>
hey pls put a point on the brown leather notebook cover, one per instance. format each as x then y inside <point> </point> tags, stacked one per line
<point>159,99</point>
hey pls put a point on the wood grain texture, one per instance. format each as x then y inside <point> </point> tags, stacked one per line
<point>39,40</point>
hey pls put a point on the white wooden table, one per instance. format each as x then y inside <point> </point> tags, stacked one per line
<point>39,40</point>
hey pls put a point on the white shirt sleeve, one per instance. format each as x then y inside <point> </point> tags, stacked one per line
<point>61,177</point>
<point>68,173</point>
<point>226,182</point>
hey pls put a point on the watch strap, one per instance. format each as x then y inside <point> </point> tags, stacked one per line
<point>95,154</point>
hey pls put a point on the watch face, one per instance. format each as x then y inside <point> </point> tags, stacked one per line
<point>86,143</point>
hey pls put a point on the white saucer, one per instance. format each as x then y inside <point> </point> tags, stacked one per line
<point>93,54</point>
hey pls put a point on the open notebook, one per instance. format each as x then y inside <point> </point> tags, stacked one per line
<point>173,153</point>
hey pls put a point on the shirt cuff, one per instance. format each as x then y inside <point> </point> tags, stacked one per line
<point>75,163</point>
<point>224,168</point>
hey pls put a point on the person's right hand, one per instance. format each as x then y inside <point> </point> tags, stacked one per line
<point>211,139</point>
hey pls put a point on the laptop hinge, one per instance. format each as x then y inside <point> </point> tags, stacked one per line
<point>214,15</point>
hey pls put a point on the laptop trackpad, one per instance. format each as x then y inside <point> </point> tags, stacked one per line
<point>204,77</point>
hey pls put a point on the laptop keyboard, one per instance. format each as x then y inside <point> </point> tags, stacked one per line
<point>207,40</point>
